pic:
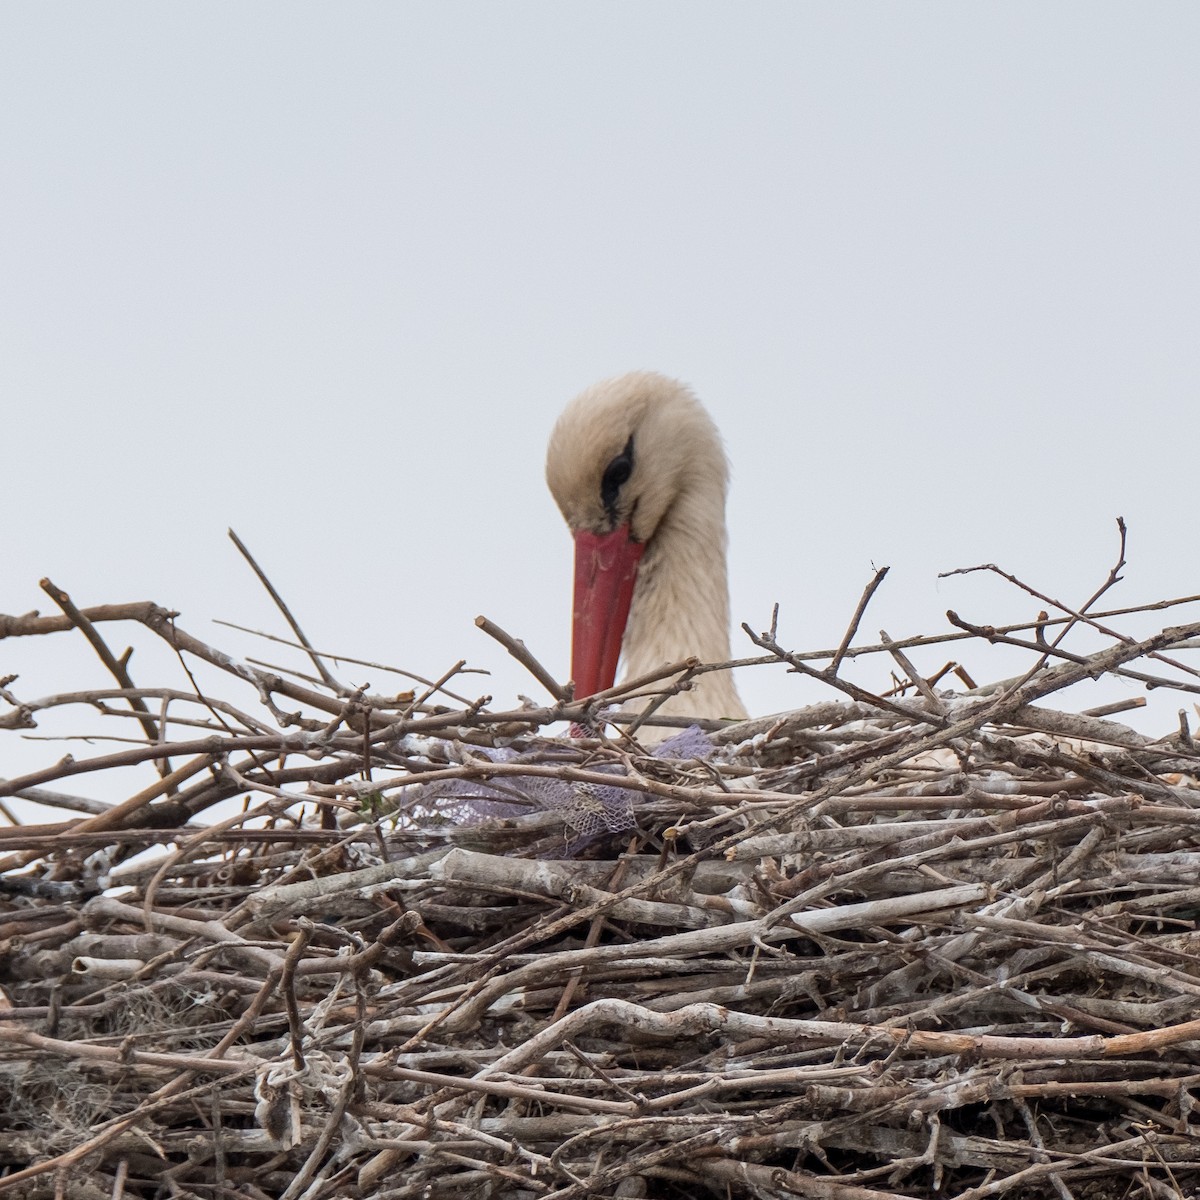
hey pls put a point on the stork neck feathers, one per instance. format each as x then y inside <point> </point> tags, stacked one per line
<point>681,600</point>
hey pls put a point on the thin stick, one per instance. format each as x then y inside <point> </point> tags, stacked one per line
<point>359,662</point>
<point>520,652</point>
<point>852,629</point>
<point>322,670</point>
<point>913,674</point>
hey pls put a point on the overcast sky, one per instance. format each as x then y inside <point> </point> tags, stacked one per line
<point>327,273</point>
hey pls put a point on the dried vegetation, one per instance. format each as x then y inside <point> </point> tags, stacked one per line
<point>923,943</point>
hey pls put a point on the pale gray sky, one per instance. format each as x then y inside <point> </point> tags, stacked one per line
<point>326,273</point>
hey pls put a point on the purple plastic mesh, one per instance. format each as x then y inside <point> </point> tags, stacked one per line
<point>588,810</point>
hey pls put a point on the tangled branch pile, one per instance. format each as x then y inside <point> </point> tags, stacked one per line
<point>898,945</point>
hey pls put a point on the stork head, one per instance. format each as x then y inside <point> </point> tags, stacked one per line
<point>620,456</point>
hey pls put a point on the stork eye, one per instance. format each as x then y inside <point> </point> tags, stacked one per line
<point>616,475</point>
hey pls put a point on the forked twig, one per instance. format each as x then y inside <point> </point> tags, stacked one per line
<point>118,667</point>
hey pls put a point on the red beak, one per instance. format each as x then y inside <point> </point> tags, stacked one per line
<point>606,566</point>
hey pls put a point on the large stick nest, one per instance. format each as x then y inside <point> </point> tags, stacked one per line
<point>351,945</point>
